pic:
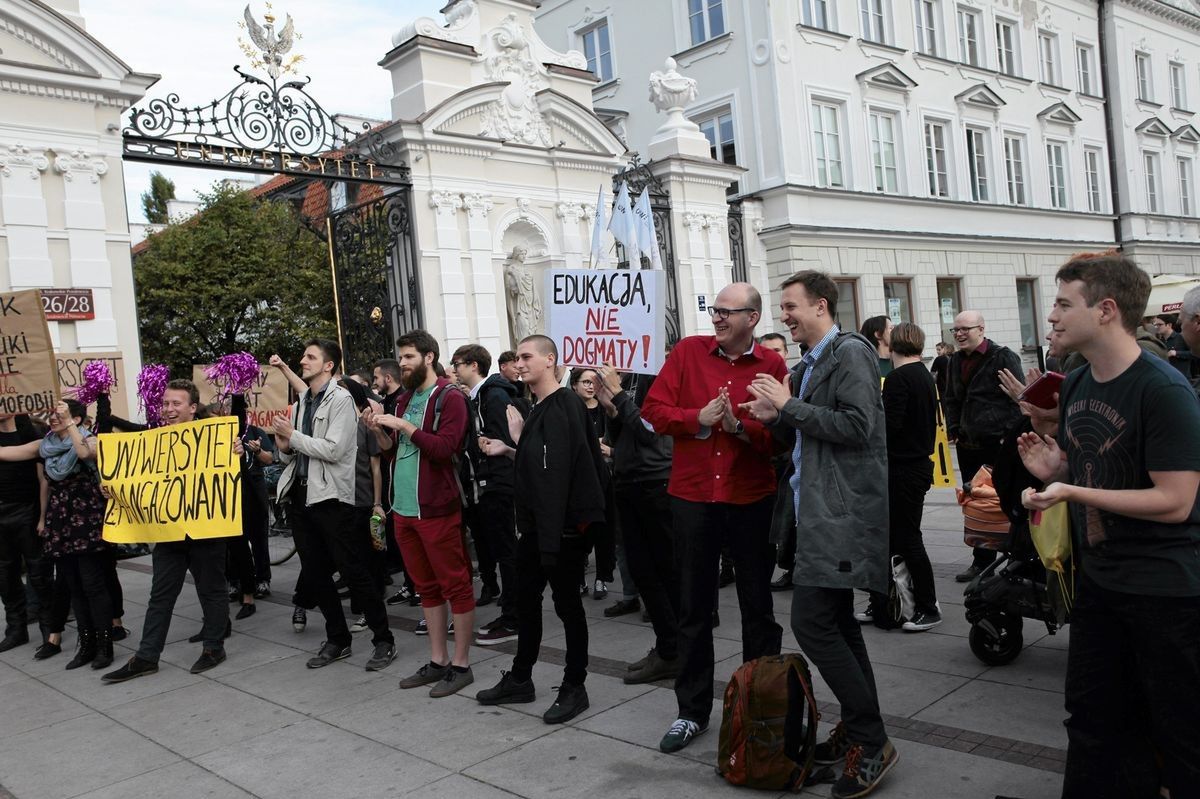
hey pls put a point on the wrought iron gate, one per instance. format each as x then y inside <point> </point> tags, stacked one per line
<point>638,176</point>
<point>737,243</point>
<point>375,277</point>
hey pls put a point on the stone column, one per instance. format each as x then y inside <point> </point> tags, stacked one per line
<point>86,234</point>
<point>446,205</point>
<point>483,276</point>
<point>24,212</point>
<point>570,213</point>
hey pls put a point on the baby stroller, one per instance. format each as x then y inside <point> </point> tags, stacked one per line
<point>1012,588</point>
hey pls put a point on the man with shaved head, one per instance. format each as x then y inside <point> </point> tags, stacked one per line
<point>978,412</point>
<point>722,490</point>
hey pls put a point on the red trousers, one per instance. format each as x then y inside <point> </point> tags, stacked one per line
<point>436,560</point>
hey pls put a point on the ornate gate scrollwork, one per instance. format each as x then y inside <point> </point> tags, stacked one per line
<point>638,176</point>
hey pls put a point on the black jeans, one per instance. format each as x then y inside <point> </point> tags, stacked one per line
<point>970,458</point>
<point>172,560</point>
<point>373,559</point>
<point>701,529</point>
<point>255,521</point>
<point>563,579</point>
<point>239,563</point>
<point>493,524</point>
<point>113,581</point>
<point>908,483</point>
<point>21,546</point>
<point>831,638</point>
<point>1132,694</point>
<point>86,575</point>
<point>326,542</point>
<point>649,542</point>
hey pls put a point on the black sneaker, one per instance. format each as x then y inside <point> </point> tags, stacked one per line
<point>299,619</point>
<point>47,650</point>
<point>382,657</point>
<point>208,659</point>
<point>622,607</point>
<point>19,638</point>
<point>572,700</point>
<point>497,634</point>
<point>135,667</point>
<point>967,575</point>
<point>864,770</point>
<point>487,595</point>
<point>782,583</point>
<point>920,622</point>
<point>641,664</point>
<point>262,589</point>
<point>866,615</point>
<point>509,691</point>
<point>328,654</point>
<point>452,682</point>
<point>834,748</point>
<point>681,734</point>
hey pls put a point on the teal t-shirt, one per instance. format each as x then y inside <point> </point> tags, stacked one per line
<point>408,459</point>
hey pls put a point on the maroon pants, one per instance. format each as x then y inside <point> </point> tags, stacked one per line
<point>436,560</point>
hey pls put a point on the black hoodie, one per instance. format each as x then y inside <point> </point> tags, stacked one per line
<point>489,418</point>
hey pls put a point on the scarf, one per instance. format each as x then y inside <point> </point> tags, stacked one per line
<point>58,456</point>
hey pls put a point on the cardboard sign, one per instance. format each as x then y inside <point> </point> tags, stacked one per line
<point>617,316</point>
<point>267,399</point>
<point>70,376</point>
<point>171,482</point>
<point>27,368</point>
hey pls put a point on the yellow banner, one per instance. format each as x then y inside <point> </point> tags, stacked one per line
<point>943,465</point>
<point>171,482</point>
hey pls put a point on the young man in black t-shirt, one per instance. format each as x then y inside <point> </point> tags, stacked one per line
<point>1127,459</point>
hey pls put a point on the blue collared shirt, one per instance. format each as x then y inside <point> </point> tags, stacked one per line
<point>810,358</point>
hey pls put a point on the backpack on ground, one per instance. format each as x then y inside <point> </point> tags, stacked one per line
<point>769,724</point>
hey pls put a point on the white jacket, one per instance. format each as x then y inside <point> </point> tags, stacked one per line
<point>331,449</point>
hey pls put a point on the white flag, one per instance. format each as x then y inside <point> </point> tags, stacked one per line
<point>624,225</point>
<point>647,235</point>
<point>599,254</point>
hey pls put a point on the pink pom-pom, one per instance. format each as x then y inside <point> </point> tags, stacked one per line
<point>152,384</point>
<point>235,373</point>
<point>97,380</point>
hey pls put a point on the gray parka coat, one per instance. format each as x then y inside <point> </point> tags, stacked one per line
<point>842,532</point>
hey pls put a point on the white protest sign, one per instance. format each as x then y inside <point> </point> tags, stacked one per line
<point>617,316</point>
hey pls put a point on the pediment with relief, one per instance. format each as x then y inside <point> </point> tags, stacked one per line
<point>1187,135</point>
<point>1060,113</point>
<point>22,44</point>
<point>1154,127</point>
<point>981,95</point>
<point>887,76</point>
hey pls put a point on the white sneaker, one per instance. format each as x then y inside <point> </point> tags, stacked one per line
<point>864,616</point>
<point>360,624</point>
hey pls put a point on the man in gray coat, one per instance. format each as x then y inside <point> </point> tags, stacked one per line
<point>831,416</point>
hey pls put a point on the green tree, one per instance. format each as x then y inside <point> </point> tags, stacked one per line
<point>242,274</point>
<point>154,202</point>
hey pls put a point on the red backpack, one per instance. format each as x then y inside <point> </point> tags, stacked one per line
<point>769,724</point>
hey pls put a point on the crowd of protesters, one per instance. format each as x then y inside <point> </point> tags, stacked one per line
<point>725,462</point>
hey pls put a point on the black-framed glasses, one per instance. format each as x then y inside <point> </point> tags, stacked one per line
<point>956,330</point>
<point>456,364</point>
<point>724,313</point>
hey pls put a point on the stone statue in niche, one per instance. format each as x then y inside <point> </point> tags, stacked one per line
<point>520,291</point>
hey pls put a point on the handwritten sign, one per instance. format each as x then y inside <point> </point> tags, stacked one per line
<point>70,376</point>
<point>27,368</point>
<point>171,482</point>
<point>265,400</point>
<point>616,316</point>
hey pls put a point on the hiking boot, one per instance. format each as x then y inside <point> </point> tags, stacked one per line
<point>104,651</point>
<point>328,653</point>
<point>572,700</point>
<point>864,770</point>
<point>299,619</point>
<point>208,659</point>
<point>85,652</point>
<point>653,669</point>
<point>834,748</point>
<point>134,667</point>
<point>497,634</point>
<point>426,675</point>
<point>622,607</point>
<point>509,691</point>
<point>922,621</point>
<point>453,682</point>
<point>681,734</point>
<point>382,657</point>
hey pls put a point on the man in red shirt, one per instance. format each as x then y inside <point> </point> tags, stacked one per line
<point>722,491</point>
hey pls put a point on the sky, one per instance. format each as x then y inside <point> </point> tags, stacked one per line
<point>194,48</point>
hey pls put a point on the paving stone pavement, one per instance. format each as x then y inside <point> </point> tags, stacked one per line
<point>262,725</point>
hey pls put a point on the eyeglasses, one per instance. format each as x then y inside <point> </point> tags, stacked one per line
<point>456,364</point>
<point>724,313</point>
<point>587,382</point>
<point>956,330</point>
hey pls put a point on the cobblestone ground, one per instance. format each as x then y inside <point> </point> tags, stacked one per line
<point>263,725</point>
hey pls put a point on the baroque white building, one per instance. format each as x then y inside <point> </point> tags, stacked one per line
<point>934,155</point>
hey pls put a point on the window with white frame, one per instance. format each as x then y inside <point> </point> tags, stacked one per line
<point>1145,86</point>
<point>1084,69</point>
<point>1006,47</point>
<point>1014,169</point>
<point>706,18</point>
<point>871,15</point>
<point>970,28</point>
<point>1048,58</point>
<point>827,144</point>
<point>882,129</point>
<point>1091,168</point>
<point>1178,86</point>
<point>977,164</point>
<point>597,48</point>
<point>717,127</point>
<point>1184,166</point>
<point>928,14</point>
<point>1152,168</point>
<point>815,14</point>
<point>936,165</point>
<point>1056,163</point>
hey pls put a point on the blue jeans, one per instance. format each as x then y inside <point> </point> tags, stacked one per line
<point>1132,693</point>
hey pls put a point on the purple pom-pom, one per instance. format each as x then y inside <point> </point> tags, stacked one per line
<point>152,384</point>
<point>97,380</point>
<point>233,374</point>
